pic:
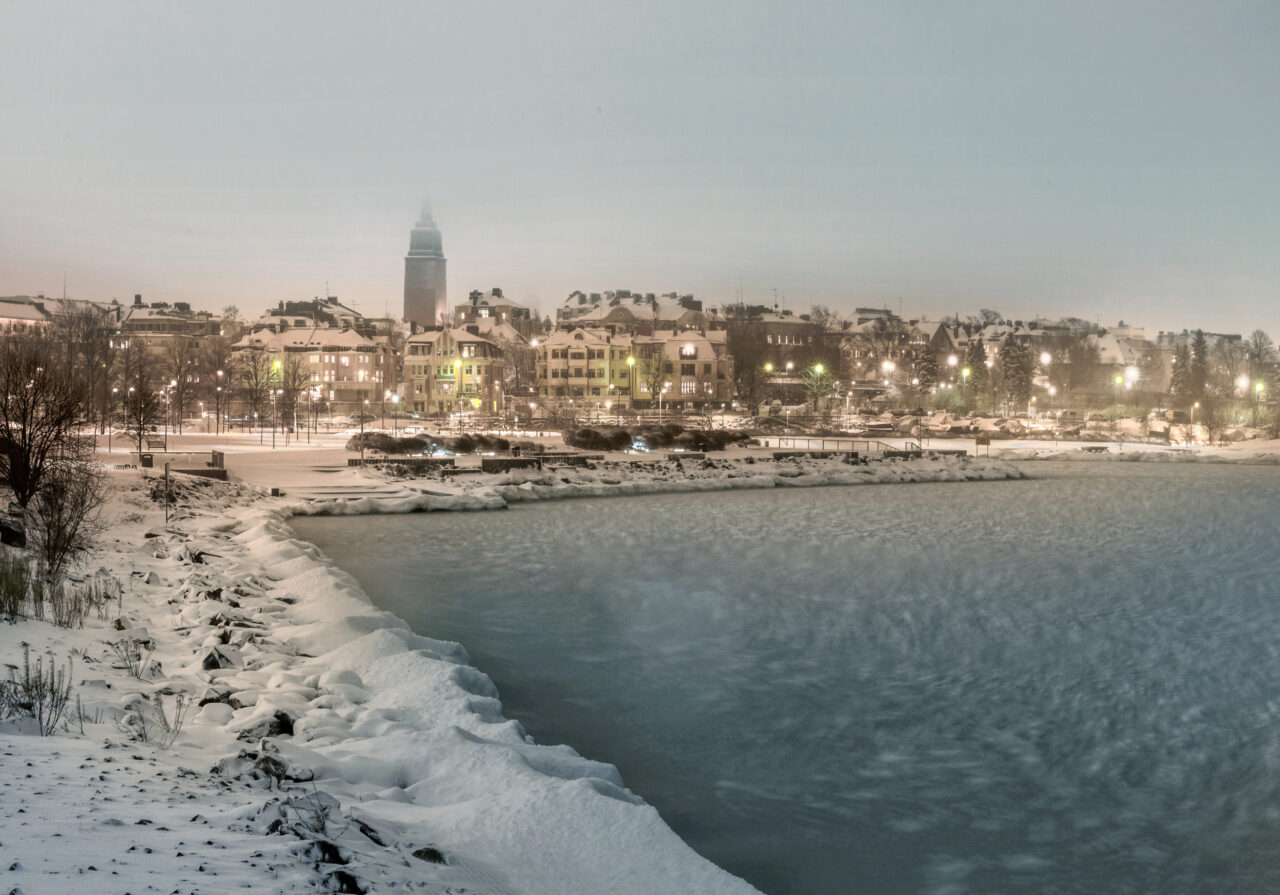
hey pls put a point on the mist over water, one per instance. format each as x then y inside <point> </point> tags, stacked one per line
<point>1060,685</point>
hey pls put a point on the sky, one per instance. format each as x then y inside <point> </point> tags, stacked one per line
<point>1101,160</point>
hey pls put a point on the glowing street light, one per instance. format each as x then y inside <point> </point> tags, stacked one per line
<point>1045,358</point>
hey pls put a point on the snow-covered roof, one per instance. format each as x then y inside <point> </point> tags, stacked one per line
<point>18,309</point>
<point>300,338</point>
<point>497,330</point>
<point>457,335</point>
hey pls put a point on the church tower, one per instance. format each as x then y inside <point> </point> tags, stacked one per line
<point>425,301</point>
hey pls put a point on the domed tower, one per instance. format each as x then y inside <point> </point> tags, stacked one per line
<point>425,300</point>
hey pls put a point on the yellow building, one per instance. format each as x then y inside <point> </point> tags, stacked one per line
<point>452,370</point>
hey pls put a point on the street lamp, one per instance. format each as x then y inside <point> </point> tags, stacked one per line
<point>395,404</point>
<point>631,381</point>
<point>114,391</point>
<point>1045,358</point>
<point>217,429</point>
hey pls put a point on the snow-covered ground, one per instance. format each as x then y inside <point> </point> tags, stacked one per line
<point>401,770</point>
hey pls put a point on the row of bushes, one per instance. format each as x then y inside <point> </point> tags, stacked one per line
<point>617,438</point>
<point>424,444</point>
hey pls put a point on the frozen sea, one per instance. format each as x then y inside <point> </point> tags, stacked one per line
<point>1069,684</point>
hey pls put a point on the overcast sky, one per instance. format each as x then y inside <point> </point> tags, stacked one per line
<point>1109,160</point>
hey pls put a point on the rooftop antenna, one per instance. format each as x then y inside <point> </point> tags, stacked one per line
<point>775,300</point>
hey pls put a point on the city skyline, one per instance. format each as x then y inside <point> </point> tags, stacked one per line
<point>1100,162</point>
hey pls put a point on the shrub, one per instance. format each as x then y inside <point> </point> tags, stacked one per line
<point>42,696</point>
<point>15,577</point>
<point>147,722</point>
<point>463,444</point>
<point>65,516</point>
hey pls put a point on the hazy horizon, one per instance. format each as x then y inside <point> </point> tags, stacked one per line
<point>1094,160</point>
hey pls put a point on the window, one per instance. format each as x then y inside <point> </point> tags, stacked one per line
<point>688,387</point>
<point>346,360</point>
<point>688,369</point>
<point>688,351</point>
<point>706,368</point>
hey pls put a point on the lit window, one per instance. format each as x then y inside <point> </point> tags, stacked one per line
<point>688,387</point>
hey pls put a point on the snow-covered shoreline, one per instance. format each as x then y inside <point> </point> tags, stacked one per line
<point>496,492</point>
<point>400,771</point>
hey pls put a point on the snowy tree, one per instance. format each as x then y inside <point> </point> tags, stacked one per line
<point>1015,370</point>
<point>975,361</point>
<point>925,368</point>
<point>818,382</point>
<point>1198,369</point>
<point>1180,373</point>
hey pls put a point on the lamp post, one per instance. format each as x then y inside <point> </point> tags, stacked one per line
<point>111,412</point>
<point>217,429</point>
<point>631,381</point>
<point>457,389</point>
<point>395,404</point>
<point>275,394</point>
<point>964,385</point>
<point>1258,388</point>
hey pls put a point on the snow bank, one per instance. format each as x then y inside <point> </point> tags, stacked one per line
<point>411,739</point>
<point>492,492</point>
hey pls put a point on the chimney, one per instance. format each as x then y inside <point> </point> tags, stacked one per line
<point>137,300</point>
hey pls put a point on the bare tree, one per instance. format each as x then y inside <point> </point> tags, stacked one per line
<point>217,374</point>
<point>141,405</point>
<point>652,358</point>
<point>746,344</point>
<point>65,516</point>
<point>81,336</point>
<point>1262,354</point>
<point>182,365</point>
<point>254,370</point>
<point>41,404</point>
<point>294,377</point>
<point>824,318</point>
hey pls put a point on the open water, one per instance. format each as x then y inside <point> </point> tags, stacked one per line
<point>1063,685</point>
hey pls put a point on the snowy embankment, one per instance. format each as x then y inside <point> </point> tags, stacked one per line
<point>496,492</point>
<point>324,742</point>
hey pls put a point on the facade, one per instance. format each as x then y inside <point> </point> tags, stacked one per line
<point>425,295</point>
<point>452,370</point>
<point>586,363</point>
<point>590,366</point>
<point>341,370</point>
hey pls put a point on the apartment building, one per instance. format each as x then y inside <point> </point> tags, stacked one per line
<point>452,370</point>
